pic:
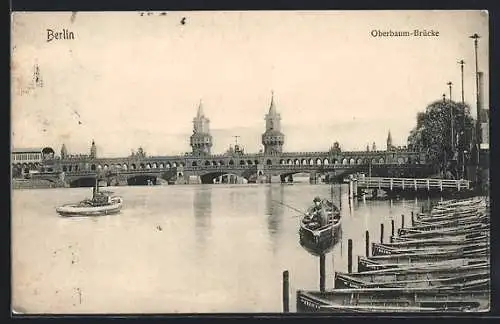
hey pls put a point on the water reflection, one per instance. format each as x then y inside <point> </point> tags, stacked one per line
<point>202,209</point>
<point>274,212</point>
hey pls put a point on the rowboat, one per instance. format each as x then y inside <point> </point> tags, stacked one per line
<point>451,217</point>
<point>448,231</point>
<point>385,249</point>
<point>422,257</point>
<point>436,241</point>
<point>478,215</point>
<point>365,264</point>
<point>320,240</point>
<point>444,279</point>
<point>412,273</point>
<point>393,300</point>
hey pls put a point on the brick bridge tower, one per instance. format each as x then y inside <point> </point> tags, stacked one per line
<point>201,140</point>
<point>273,139</point>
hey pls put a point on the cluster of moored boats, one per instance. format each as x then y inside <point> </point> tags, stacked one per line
<point>441,263</point>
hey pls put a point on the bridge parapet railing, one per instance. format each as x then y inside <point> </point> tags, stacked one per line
<point>415,183</point>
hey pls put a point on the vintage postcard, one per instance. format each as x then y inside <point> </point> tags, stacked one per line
<point>250,162</point>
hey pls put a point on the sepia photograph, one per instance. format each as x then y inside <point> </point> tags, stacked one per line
<point>201,162</point>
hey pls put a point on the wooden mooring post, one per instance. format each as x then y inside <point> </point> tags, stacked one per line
<point>340,196</point>
<point>392,227</point>
<point>322,271</point>
<point>286,292</point>
<point>367,244</point>
<point>403,221</point>
<point>412,220</point>
<point>381,233</point>
<point>349,256</point>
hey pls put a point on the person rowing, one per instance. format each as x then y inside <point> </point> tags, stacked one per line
<point>315,216</point>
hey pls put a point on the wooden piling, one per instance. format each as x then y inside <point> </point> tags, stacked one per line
<point>367,244</point>
<point>349,256</point>
<point>392,227</point>
<point>381,233</point>
<point>412,220</point>
<point>322,276</point>
<point>340,196</point>
<point>286,291</point>
<point>402,221</point>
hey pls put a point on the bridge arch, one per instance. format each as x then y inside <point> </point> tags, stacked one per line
<point>106,167</point>
<point>269,162</point>
<point>351,161</point>
<point>304,162</point>
<point>359,161</point>
<point>133,166</point>
<point>282,162</point>
<point>207,163</point>
<point>381,160</point>
<point>141,180</point>
<point>311,162</point>
<point>296,162</point>
<point>125,166</point>
<point>318,161</point>
<point>326,162</point>
<point>154,165</point>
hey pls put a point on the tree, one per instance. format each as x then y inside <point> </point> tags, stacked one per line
<point>432,133</point>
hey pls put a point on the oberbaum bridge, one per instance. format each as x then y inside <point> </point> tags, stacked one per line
<point>270,165</point>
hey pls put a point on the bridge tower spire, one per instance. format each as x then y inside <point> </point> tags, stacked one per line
<point>64,151</point>
<point>93,150</point>
<point>201,140</point>
<point>273,139</point>
<point>389,141</point>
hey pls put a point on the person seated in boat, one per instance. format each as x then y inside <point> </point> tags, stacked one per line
<point>315,215</point>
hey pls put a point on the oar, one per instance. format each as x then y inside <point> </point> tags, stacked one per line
<point>293,208</point>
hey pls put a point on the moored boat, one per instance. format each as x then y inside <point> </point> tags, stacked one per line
<point>383,249</point>
<point>424,280</point>
<point>393,300</point>
<point>407,259</point>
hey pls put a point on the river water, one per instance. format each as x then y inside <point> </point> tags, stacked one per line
<point>180,249</point>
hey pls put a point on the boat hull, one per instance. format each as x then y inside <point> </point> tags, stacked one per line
<point>74,210</point>
<point>393,300</point>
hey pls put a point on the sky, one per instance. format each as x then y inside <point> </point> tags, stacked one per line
<point>128,80</point>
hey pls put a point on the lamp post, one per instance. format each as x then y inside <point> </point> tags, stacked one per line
<point>476,37</point>
<point>445,160</point>
<point>451,119</point>
<point>462,134</point>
